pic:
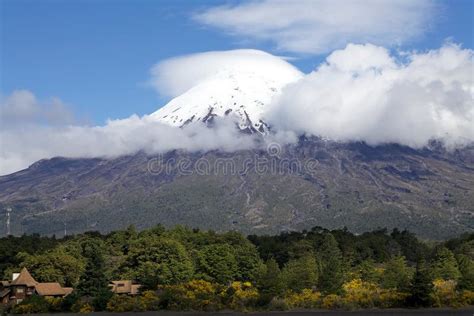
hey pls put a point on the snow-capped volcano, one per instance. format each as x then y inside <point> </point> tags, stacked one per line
<point>241,90</point>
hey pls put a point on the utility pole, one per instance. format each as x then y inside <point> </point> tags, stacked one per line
<point>65,229</point>
<point>9,210</point>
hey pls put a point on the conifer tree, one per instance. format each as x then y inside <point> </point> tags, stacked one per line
<point>270,281</point>
<point>466,267</point>
<point>397,274</point>
<point>331,274</point>
<point>93,282</point>
<point>367,271</point>
<point>301,273</point>
<point>445,265</point>
<point>422,287</point>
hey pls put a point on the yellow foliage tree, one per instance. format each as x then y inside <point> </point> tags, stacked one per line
<point>240,295</point>
<point>54,303</point>
<point>391,298</point>
<point>307,298</point>
<point>358,293</point>
<point>121,303</point>
<point>86,309</point>
<point>193,295</point>
<point>466,297</point>
<point>332,301</point>
<point>444,293</point>
<point>149,300</point>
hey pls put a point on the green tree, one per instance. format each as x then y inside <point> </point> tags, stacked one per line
<point>249,262</point>
<point>397,274</point>
<point>466,267</point>
<point>56,265</point>
<point>445,265</point>
<point>217,263</point>
<point>246,253</point>
<point>301,273</point>
<point>331,274</point>
<point>300,248</point>
<point>270,281</point>
<point>119,241</point>
<point>154,260</point>
<point>367,271</point>
<point>411,247</point>
<point>421,287</point>
<point>93,282</point>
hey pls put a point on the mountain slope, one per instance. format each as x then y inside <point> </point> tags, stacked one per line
<point>430,191</point>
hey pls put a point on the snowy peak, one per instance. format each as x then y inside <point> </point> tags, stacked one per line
<point>241,93</point>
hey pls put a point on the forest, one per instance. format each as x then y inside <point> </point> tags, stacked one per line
<point>190,269</point>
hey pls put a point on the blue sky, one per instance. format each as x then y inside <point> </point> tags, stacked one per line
<point>96,55</point>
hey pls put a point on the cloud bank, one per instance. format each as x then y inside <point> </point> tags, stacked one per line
<point>23,145</point>
<point>22,108</point>
<point>175,76</point>
<point>320,26</point>
<point>361,93</point>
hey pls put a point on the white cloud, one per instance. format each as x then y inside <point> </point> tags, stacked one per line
<point>22,108</point>
<point>363,93</point>
<point>24,143</point>
<point>361,58</point>
<point>175,76</point>
<point>319,26</point>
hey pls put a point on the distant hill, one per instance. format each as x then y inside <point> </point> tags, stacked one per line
<point>312,183</point>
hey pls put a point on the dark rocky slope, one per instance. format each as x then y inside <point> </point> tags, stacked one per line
<point>316,182</point>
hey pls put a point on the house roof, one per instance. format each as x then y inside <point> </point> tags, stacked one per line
<point>24,278</point>
<point>51,289</point>
<point>4,293</point>
<point>44,289</point>
<point>67,290</point>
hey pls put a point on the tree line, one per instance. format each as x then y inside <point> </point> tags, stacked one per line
<point>191,269</point>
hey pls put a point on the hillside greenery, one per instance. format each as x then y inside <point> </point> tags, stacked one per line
<point>191,269</point>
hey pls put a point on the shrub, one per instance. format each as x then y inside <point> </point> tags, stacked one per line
<point>3,310</point>
<point>307,298</point>
<point>278,304</point>
<point>466,297</point>
<point>332,301</point>
<point>69,301</point>
<point>121,303</point>
<point>55,303</point>
<point>358,293</point>
<point>99,302</point>
<point>444,293</point>
<point>149,300</point>
<point>31,305</point>
<point>86,309</point>
<point>240,296</point>
<point>193,295</point>
<point>82,305</point>
<point>391,298</point>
